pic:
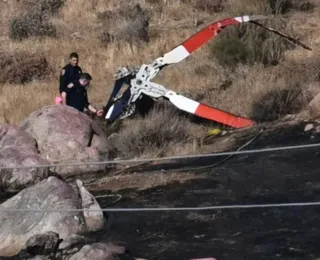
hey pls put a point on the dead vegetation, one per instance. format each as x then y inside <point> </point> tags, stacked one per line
<point>142,181</point>
<point>21,67</point>
<point>155,134</point>
<point>245,70</point>
<point>249,45</point>
<point>209,6</point>
<point>129,24</point>
<point>34,19</point>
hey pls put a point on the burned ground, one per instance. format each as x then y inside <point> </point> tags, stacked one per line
<point>268,233</point>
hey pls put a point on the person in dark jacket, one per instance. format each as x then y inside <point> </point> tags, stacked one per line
<point>71,72</point>
<point>75,95</point>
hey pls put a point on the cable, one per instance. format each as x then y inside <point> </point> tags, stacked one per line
<point>119,197</point>
<point>225,159</point>
<point>249,206</point>
<point>194,156</point>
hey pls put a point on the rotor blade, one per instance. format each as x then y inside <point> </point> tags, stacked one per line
<point>202,37</point>
<point>116,89</point>
<point>204,111</point>
<point>295,41</point>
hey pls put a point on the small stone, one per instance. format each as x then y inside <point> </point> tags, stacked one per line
<point>70,251</point>
<point>224,133</point>
<point>308,127</point>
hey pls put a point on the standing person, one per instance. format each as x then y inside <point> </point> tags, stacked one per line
<point>69,73</point>
<point>75,95</point>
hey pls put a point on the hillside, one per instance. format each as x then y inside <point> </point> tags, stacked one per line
<point>245,70</point>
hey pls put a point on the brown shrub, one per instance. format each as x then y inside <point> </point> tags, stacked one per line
<point>277,103</point>
<point>283,6</point>
<point>162,129</point>
<point>35,20</point>
<point>50,7</point>
<point>289,94</point>
<point>22,67</point>
<point>129,24</point>
<point>209,6</point>
<point>249,44</point>
<point>31,24</point>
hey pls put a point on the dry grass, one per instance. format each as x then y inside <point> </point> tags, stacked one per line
<point>141,181</point>
<point>163,132</point>
<point>244,88</point>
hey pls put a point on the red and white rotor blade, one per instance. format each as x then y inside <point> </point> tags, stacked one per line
<point>204,111</point>
<point>202,37</point>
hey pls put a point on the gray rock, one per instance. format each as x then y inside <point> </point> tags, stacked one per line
<point>38,257</point>
<point>314,104</point>
<point>17,227</point>
<point>92,212</point>
<point>308,127</point>
<point>98,251</point>
<point>66,135</point>
<point>18,148</point>
<point>72,241</point>
<point>42,244</point>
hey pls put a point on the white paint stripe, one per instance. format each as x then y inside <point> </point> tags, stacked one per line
<point>182,102</point>
<point>242,19</point>
<point>176,55</point>
<point>109,112</point>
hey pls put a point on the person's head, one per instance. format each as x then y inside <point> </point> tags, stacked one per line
<point>74,59</point>
<point>85,79</point>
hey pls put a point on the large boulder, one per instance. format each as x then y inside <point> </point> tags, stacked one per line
<point>18,149</point>
<point>66,135</point>
<point>16,227</point>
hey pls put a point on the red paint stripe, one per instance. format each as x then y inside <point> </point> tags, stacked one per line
<point>206,34</point>
<point>223,117</point>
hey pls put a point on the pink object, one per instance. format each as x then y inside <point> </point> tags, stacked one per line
<point>58,100</point>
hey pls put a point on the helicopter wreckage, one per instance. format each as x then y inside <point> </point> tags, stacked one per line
<point>141,87</point>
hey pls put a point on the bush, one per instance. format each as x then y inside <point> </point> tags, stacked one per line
<point>276,104</point>
<point>290,93</point>
<point>284,6</point>
<point>129,24</point>
<point>23,67</point>
<point>31,24</point>
<point>51,7</point>
<point>249,44</point>
<point>209,6</point>
<point>161,128</point>
<point>35,21</point>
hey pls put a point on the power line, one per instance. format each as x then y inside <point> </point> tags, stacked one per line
<point>194,156</point>
<point>249,206</point>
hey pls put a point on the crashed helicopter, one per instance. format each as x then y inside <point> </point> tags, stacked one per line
<point>142,92</point>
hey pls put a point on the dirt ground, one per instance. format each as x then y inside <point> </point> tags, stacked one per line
<point>269,233</point>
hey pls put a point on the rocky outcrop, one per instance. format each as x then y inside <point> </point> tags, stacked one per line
<point>17,227</point>
<point>17,149</point>
<point>66,135</point>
